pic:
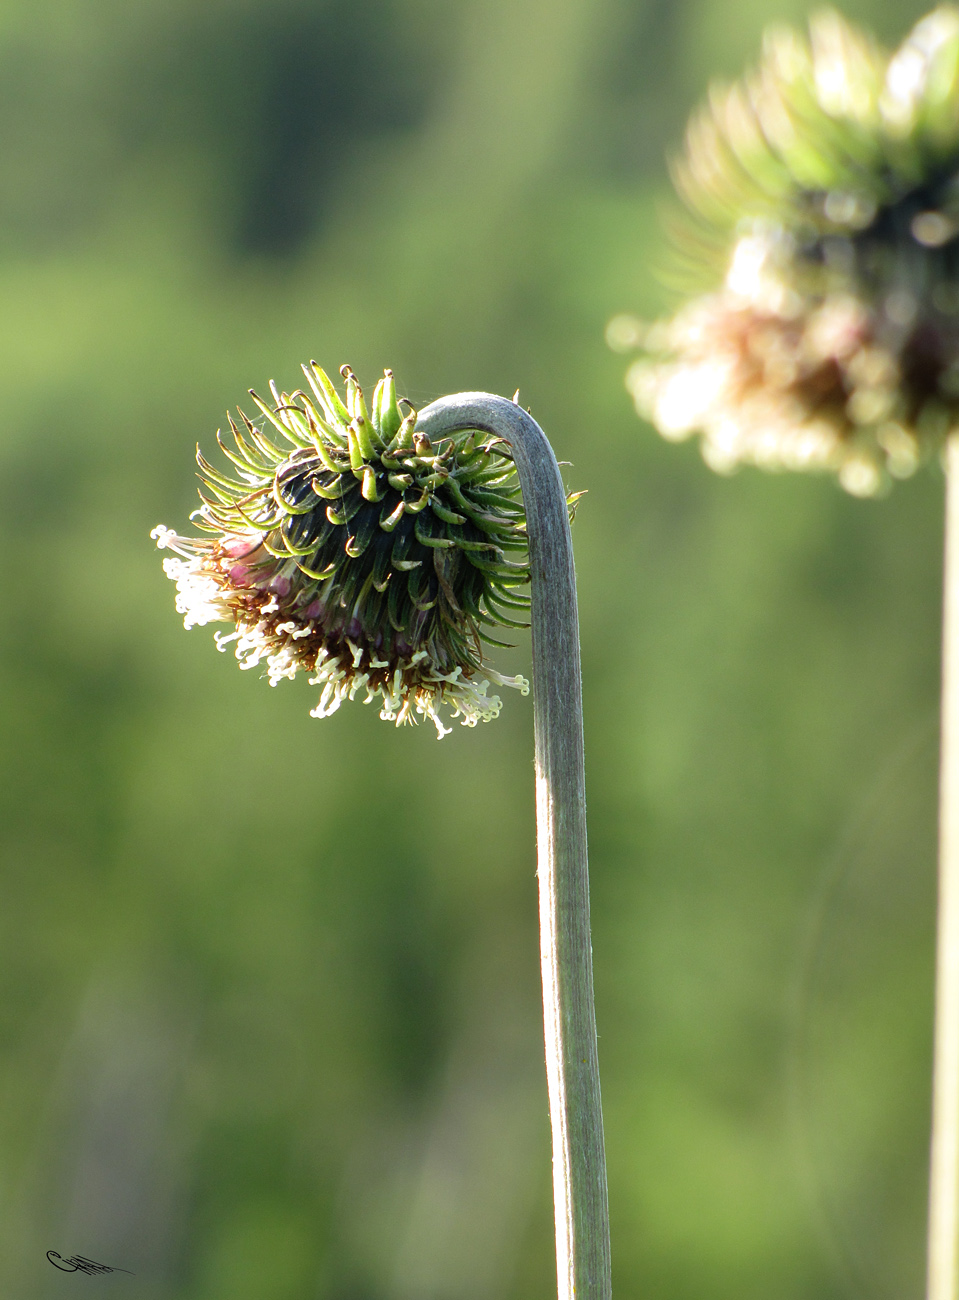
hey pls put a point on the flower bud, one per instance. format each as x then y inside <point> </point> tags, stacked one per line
<point>344,543</point>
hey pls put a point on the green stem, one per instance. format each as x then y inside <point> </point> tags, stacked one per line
<point>944,1165</point>
<point>572,1064</point>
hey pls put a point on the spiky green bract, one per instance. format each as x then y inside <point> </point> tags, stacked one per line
<point>823,193</point>
<point>346,543</point>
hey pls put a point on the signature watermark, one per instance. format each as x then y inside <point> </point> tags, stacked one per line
<point>77,1264</point>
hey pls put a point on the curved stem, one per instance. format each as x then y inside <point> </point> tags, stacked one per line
<point>572,1065</point>
<point>944,1170</point>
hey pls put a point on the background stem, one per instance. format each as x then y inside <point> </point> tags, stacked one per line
<point>572,1065</point>
<point>944,1165</point>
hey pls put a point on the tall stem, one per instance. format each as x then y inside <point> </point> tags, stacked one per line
<point>944,1167</point>
<point>572,1065</point>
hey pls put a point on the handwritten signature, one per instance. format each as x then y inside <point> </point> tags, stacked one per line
<point>77,1264</point>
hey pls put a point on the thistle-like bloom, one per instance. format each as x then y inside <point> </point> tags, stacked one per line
<point>359,551</point>
<point>823,197</point>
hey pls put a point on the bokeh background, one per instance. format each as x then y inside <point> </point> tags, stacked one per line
<point>269,1002</point>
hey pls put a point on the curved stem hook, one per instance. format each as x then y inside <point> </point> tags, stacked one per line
<point>572,1064</point>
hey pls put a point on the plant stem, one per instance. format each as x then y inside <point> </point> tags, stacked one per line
<point>572,1065</point>
<point>944,1164</point>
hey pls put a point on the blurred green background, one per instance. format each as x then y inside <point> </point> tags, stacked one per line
<point>269,992</point>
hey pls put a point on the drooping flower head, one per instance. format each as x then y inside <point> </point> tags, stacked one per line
<point>823,202</point>
<point>356,549</point>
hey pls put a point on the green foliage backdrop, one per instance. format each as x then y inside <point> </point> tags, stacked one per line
<point>269,986</point>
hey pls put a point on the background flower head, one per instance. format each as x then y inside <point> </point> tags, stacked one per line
<point>822,193</point>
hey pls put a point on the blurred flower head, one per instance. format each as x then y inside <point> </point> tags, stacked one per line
<point>356,549</point>
<point>822,197</point>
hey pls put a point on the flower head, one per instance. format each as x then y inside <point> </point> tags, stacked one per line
<point>823,196</point>
<point>356,549</point>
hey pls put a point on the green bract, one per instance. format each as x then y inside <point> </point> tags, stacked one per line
<point>357,549</point>
<point>823,196</point>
